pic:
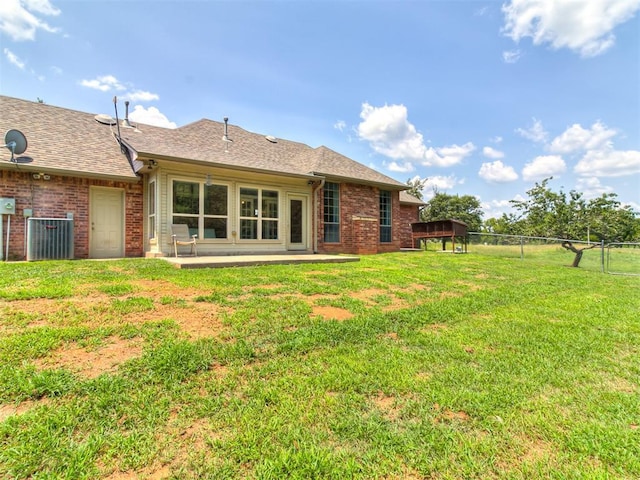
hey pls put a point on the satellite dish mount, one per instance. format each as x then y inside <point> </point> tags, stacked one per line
<point>15,141</point>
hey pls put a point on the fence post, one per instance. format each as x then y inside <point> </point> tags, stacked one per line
<point>602,254</point>
<point>521,247</point>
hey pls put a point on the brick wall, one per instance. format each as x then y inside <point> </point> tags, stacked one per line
<point>408,214</point>
<point>360,222</point>
<point>58,196</point>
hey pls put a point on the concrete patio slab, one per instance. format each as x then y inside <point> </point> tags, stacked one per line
<point>223,261</point>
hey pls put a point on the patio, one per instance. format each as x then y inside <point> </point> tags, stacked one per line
<point>224,261</point>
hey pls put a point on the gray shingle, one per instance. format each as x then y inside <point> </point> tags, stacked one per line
<point>63,140</point>
<point>70,141</point>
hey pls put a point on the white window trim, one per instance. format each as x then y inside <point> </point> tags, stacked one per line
<point>202,216</point>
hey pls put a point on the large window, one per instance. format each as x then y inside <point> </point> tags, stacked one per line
<point>385,216</point>
<point>204,208</point>
<point>259,217</point>
<point>331,194</point>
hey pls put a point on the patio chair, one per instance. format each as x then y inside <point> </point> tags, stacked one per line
<point>180,236</point>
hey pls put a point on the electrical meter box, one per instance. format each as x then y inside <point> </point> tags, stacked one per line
<point>8,206</point>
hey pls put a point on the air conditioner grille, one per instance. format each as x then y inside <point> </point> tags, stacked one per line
<point>49,239</point>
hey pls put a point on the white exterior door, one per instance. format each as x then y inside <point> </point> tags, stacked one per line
<point>297,223</point>
<point>106,238</point>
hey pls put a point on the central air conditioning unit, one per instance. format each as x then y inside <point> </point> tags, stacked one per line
<point>49,239</point>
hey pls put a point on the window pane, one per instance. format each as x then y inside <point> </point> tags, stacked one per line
<point>295,229</point>
<point>331,212</point>
<point>185,197</point>
<point>385,234</point>
<point>152,198</point>
<point>248,229</point>
<point>269,204</point>
<point>385,216</point>
<point>331,233</point>
<point>248,202</point>
<point>215,200</point>
<point>269,230</point>
<point>191,221</point>
<point>215,228</point>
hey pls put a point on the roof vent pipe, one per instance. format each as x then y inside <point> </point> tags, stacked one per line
<point>125,122</point>
<point>225,137</point>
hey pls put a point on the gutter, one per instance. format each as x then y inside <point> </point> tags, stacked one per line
<point>143,156</point>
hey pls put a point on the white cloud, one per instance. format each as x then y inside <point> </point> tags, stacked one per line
<point>56,70</point>
<point>340,125</point>
<point>582,26</point>
<point>141,96</point>
<point>495,208</point>
<point>104,83</point>
<point>13,58</point>
<point>20,19</point>
<point>440,183</point>
<point>576,138</point>
<point>497,172</point>
<point>543,166</point>
<point>492,153</point>
<point>535,133</point>
<point>591,187</point>
<point>608,162</point>
<point>150,116</point>
<point>511,56</point>
<point>108,83</point>
<point>447,156</point>
<point>389,132</point>
<point>400,167</point>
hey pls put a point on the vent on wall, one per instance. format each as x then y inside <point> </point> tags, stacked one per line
<point>49,239</point>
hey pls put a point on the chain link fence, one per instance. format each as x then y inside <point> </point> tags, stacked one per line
<point>614,258</point>
<point>623,258</point>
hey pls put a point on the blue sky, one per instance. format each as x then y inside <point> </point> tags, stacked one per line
<point>478,97</point>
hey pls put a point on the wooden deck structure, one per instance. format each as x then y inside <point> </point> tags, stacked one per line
<point>443,229</point>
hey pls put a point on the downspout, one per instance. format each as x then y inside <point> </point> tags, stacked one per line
<point>314,196</point>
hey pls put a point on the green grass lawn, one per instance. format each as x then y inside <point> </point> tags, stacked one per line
<point>401,366</point>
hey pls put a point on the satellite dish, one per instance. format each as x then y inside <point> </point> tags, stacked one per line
<point>105,119</point>
<point>15,141</point>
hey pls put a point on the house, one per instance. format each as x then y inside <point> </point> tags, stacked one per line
<point>125,185</point>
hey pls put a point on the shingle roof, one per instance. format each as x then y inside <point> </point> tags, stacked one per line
<point>71,141</point>
<point>202,142</point>
<point>62,140</point>
<point>406,197</point>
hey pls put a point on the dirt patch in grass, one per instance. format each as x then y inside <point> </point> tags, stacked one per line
<point>435,327</point>
<point>469,286</point>
<point>91,363</point>
<point>444,415</point>
<point>390,336</point>
<point>198,320</point>
<point>11,409</point>
<point>331,313</point>
<point>148,473</point>
<point>387,406</point>
<point>528,451</point>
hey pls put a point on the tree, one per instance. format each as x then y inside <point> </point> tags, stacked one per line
<point>569,216</point>
<point>578,251</point>
<point>416,186</point>
<point>465,208</point>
